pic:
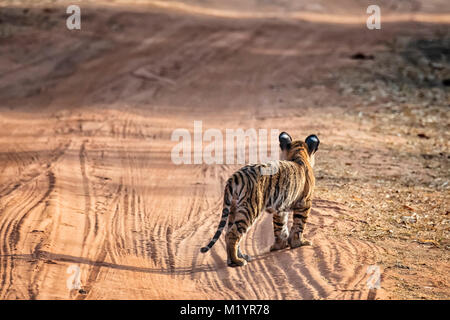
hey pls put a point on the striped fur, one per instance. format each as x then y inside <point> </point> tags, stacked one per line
<point>251,190</point>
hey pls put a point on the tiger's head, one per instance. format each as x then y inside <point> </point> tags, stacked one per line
<point>298,150</point>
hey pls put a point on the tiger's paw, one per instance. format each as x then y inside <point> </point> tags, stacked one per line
<point>279,245</point>
<point>296,241</point>
<point>237,263</point>
<point>306,242</point>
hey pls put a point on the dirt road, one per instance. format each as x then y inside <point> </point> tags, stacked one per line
<point>87,182</point>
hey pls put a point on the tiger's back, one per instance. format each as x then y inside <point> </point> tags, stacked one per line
<point>277,191</point>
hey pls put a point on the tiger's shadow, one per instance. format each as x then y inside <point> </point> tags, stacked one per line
<point>55,259</point>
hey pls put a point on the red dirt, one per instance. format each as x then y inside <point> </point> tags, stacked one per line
<point>86,178</point>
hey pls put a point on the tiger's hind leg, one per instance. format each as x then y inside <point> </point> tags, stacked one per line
<point>231,219</point>
<point>280,230</point>
<point>233,238</point>
<point>301,213</point>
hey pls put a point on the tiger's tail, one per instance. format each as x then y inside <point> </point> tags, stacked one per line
<point>227,198</point>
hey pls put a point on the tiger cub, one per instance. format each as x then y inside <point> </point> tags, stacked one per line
<point>251,190</point>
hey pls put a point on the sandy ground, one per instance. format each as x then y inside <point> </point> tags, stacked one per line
<point>86,119</point>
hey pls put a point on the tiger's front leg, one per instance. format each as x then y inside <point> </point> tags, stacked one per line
<point>301,212</point>
<point>280,230</point>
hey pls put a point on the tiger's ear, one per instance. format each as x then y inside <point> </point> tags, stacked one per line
<point>285,141</point>
<point>313,143</point>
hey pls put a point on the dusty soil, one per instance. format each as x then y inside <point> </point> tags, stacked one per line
<point>86,119</point>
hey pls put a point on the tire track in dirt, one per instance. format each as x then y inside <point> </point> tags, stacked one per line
<point>126,227</point>
<point>87,196</point>
<point>12,221</point>
<point>93,243</point>
<point>35,171</point>
<point>33,166</point>
<point>98,222</point>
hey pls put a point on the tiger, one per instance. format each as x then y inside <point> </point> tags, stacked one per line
<point>251,190</point>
